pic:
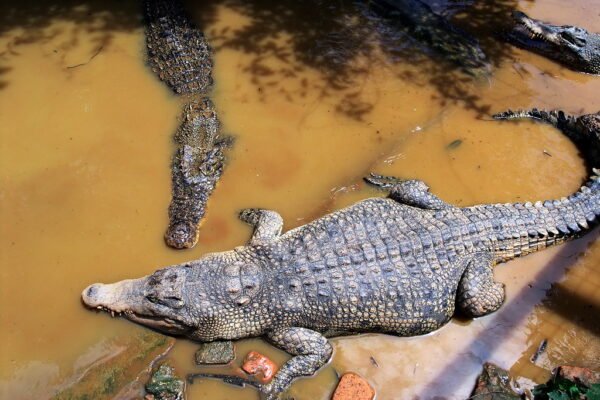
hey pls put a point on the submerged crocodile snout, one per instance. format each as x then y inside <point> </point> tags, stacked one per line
<point>181,235</point>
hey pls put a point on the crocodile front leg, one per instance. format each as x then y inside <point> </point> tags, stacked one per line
<point>310,349</point>
<point>267,224</point>
<point>412,192</point>
<point>478,293</point>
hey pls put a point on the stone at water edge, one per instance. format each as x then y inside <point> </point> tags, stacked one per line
<point>215,353</point>
<point>259,365</point>
<point>164,385</point>
<point>585,376</point>
<point>494,383</point>
<point>353,387</point>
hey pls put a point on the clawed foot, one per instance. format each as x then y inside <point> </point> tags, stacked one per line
<point>382,181</point>
<point>266,390</point>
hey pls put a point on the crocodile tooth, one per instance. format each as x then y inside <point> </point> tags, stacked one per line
<point>553,230</point>
<point>574,227</point>
<point>563,228</point>
<point>585,189</point>
<point>542,231</point>
<point>590,217</point>
<point>583,223</point>
<point>596,171</point>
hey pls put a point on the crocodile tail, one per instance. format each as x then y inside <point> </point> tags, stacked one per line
<point>584,131</point>
<point>555,221</point>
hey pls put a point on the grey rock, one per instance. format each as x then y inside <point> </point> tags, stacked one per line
<point>219,352</point>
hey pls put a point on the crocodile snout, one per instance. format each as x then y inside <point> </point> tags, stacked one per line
<point>89,296</point>
<point>182,235</point>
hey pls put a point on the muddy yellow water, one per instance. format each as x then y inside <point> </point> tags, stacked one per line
<point>314,103</point>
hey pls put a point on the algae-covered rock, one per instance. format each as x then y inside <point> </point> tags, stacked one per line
<point>220,352</point>
<point>164,385</point>
<point>494,383</point>
<point>115,375</point>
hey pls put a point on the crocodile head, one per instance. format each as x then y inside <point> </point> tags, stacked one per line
<point>198,299</point>
<point>572,46</point>
<point>157,300</point>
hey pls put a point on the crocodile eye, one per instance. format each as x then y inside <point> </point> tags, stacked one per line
<point>169,301</point>
<point>574,37</point>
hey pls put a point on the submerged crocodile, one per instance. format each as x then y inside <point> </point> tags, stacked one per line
<point>433,32</point>
<point>181,57</point>
<point>398,265</point>
<point>572,46</point>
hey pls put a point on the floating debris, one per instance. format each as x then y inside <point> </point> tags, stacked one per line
<point>540,350</point>
<point>454,144</point>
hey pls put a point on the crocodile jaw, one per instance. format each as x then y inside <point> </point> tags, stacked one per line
<point>127,298</point>
<point>553,41</point>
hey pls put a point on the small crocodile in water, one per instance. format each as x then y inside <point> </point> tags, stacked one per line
<point>181,57</point>
<point>397,265</point>
<point>572,46</point>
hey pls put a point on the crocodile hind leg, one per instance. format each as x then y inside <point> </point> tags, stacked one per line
<point>310,351</point>
<point>412,192</point>
<point>478,294</point>
<point>267,224</point>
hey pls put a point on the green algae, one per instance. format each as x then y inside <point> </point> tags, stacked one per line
<point>106,378</point>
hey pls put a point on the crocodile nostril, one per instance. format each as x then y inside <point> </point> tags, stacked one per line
<point>89,295</point>
<point>91,291</point>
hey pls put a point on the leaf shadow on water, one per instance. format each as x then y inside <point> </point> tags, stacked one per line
<point>339,40</point>
<point>31,21</point>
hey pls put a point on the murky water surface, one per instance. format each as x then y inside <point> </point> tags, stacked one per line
<point>315,103</point>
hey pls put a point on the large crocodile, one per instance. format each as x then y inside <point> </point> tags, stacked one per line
<point>397,265</point>
<point>181,57</point>
<point>572,46</point>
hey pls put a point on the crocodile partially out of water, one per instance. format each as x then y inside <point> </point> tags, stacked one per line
<point>181,57</point>
<point>399,265</point>
<point>572,46</point>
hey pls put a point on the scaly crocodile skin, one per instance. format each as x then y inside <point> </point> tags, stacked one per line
<point>397,265</point>
<point>572,46</point>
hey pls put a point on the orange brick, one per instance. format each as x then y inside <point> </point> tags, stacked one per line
<point>353,387</point>
<point>259,365</point>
